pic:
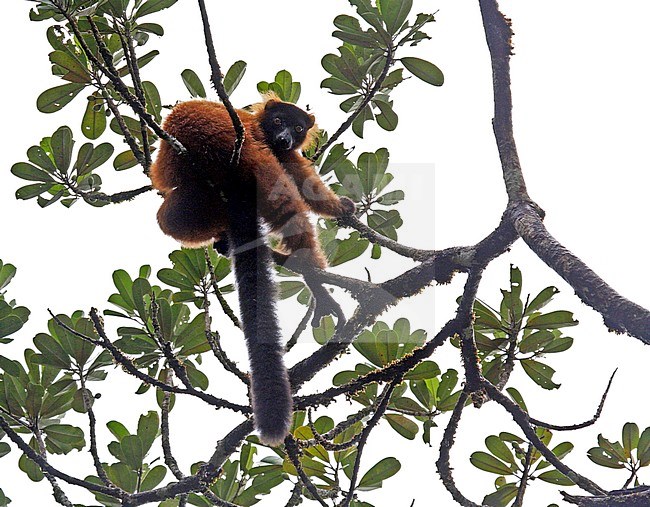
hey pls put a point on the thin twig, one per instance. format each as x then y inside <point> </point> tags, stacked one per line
<point>443,463</point>
<point>585,424</point>
<point>217,292</point>
<point>302,325</point>
<point>374,237</point>
<point>291,446</point>
<point>519,501</point>
<point>347,123</point>
<point>217,81</point>
<point>379,412</point>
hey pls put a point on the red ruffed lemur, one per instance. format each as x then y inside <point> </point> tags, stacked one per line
<point>206,201</point>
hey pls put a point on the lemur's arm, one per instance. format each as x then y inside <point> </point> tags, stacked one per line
<point>316,194</point>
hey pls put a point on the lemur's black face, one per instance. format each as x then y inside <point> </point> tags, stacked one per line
<point>285,126</point>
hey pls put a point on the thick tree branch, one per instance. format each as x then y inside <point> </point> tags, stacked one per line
<point>620,314</point>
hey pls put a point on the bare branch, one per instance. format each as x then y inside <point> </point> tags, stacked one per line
<point>579,426</point>
<point>443,463</point>
<point>521,491</point>
<point>379,412</point>
<point>374,237</point>
<point>217,81</point>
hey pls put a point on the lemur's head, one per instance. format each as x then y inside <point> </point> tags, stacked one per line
<point>285,126</point>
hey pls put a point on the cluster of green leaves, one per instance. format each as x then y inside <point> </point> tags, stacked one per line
<point>135,299</point>
<point>12,317</point>
<point>241,481</point>
<point>357,70</point>
<point>512,457</point>
<point>116,20</point>
<point>520,332</point>
<point>132,472</point>
<point>324,467</point>
<point>57,178</point>
<point>35,396</point>
<point>632,452</point>
<point>432,391</point>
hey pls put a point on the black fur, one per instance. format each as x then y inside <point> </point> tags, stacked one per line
<point>270,388</point>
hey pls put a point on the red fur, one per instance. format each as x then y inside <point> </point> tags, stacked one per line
<point>193,211</point>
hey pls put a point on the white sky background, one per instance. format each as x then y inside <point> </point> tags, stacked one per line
<point>581,108</point>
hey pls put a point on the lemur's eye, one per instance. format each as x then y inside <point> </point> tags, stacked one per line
<point>277,121</point>
<point>299,128</point>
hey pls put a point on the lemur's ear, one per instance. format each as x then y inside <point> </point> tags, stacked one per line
<point>312,120</point>
<point>270,103</point>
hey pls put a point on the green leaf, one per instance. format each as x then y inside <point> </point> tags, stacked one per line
<point>152,96</point>
<point>151,6</point>
<point>488,463</point>
<point>32,470</point>
<point>349,249</point>
<point>394,13</point>
<point>497,447</point>
<point>426,71</point>
<point>558,345</point>
<point>325,331</point>
<point>234,76</point>
<point>39,157</point>
<point>553,320</point>
<point>643,448</point>
<point>5,449</point>
<point>154,28</point>
<point>93,123</point>
<point>424,370</point>
<point>630,438</point>
<point>540,300</point>
<point>90,159</point>
<point>53,353</point>
<point>388,118</point>
<point>193,83</point>
<point>541,373</point>
<point>132,450</point>
<point>535,341</point>
<point>403,425</point>
<point>30,173</point>
<point>383,470</point>
<point>125,160</point>
<point>76,71</point>
<point>117,429</point>
<point>62,144</point>
<point>555,477</point>
<point>517,398</point>
<point>148,429</point>
<point>600,457</point>
<point>63,438</point>
<point>58,97</point>
<point>391,198</point>
<point>153,477</point>
<point>501,497</point>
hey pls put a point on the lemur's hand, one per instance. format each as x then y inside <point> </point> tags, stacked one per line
<point>347,206</point>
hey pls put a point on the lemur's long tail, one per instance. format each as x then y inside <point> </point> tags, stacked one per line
<point>270,387</point>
